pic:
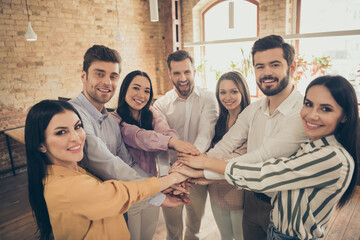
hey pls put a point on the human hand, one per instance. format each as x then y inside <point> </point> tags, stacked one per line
<point>201,181</point>
<point>177,189</point>
<point>182,146</point>
<point>187,171</point>
<point>172,201</point>
<point>178,176</point>
<point>193,161</point>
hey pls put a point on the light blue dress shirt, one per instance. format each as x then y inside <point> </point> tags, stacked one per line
<point>106,155</point>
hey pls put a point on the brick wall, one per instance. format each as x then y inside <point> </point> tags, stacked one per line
<point>276,17</point>
<point>51,66</point>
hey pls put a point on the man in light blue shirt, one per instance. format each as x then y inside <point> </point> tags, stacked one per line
<point>105,153</point>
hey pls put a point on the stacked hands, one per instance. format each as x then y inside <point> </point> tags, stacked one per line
<point>189,166</point>
<point>178,194</point>
<point>193,167</point>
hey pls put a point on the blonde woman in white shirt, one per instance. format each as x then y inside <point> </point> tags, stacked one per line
<point>226,200</point>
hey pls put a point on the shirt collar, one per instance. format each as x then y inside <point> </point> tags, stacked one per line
<point>322,142</point>
<point>99,116</point>
<point>286,106</point>
<point>175,96</point>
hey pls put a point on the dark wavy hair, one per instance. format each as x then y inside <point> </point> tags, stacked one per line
<point>240,82</point>
<point>100,53</point>
<point>178,56</point>
<point>146,116</point>
<point>346,133</point>
<point>271,42</point>
<point>37,121</point>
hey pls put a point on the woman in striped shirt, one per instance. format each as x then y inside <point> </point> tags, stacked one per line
<point>320,175</point>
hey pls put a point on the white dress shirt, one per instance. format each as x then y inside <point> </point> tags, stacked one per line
<point>268,136</point>
<point>193,118</point>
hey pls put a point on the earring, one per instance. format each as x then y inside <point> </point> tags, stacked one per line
<point>42,149</point>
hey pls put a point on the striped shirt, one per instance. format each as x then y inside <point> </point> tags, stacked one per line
<point>308,185</point>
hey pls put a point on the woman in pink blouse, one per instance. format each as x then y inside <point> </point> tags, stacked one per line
<point>145,133</point>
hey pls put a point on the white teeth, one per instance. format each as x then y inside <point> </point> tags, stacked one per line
<point>75,148</point>
<point>138,101</point>
<point>312,125</point>
<point>104,90</point>
<point>268,81</point>
<point>183,84</point>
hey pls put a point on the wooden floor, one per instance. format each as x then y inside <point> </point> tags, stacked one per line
<point>16,222</point>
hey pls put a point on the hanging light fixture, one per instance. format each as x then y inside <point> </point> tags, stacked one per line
<point>231,14</point>
<point>154,11</point>
<point>118,36</point>
<point>30,35</point>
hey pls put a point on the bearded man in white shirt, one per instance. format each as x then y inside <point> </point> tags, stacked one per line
<point>271,126</point>
<point>192,112</point>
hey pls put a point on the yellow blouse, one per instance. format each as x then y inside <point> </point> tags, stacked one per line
<point>82,207</point>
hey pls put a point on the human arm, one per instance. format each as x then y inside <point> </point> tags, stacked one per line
<point>278,135</point>
<point>160,125</point>
<point>107,160</point>
<point>236,136</point>
<point>94,199</point>
<point>183,146</point>
<point>196,176</point>
<point>202,162</point>
<point>105,153</point>
<point>214,162</point>
<point>208,118</point>
<point>315,169</point>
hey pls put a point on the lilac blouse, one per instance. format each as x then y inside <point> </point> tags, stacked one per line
<point>145,144</point>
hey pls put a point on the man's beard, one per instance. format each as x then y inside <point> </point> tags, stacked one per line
<point>281,86</point>
<point>184,93</point>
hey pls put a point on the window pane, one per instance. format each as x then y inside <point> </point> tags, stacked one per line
<point>216,21</point>
<point>221,58</point>
<point>226,57</point>
<point>343,51</point>
<point>329,15</point>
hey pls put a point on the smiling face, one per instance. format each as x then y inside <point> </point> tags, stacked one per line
<point>320,114</point>
<point>64,140</point>
<point>182,75</point>
<point>100,82</point>
<point>272,71</point>
<point>229,95</point>
<point>138,94</point>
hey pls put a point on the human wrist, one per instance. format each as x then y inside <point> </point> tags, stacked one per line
<point>209,163</point>
<point>171,142</point>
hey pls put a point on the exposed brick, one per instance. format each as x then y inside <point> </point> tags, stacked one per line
<point>51,66</point>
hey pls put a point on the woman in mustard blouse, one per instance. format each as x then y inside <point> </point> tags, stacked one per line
<point>68,202</point>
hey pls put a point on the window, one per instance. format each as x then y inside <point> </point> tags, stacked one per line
<point>222,57</point>
<point>343,51</point>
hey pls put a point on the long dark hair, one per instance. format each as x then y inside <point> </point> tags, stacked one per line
<point>240,82</point>
<point>346,133</point>
<point>37,121</point>
<point>123,108</point>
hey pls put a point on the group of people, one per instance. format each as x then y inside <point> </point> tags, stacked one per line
<point>274,169</point>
